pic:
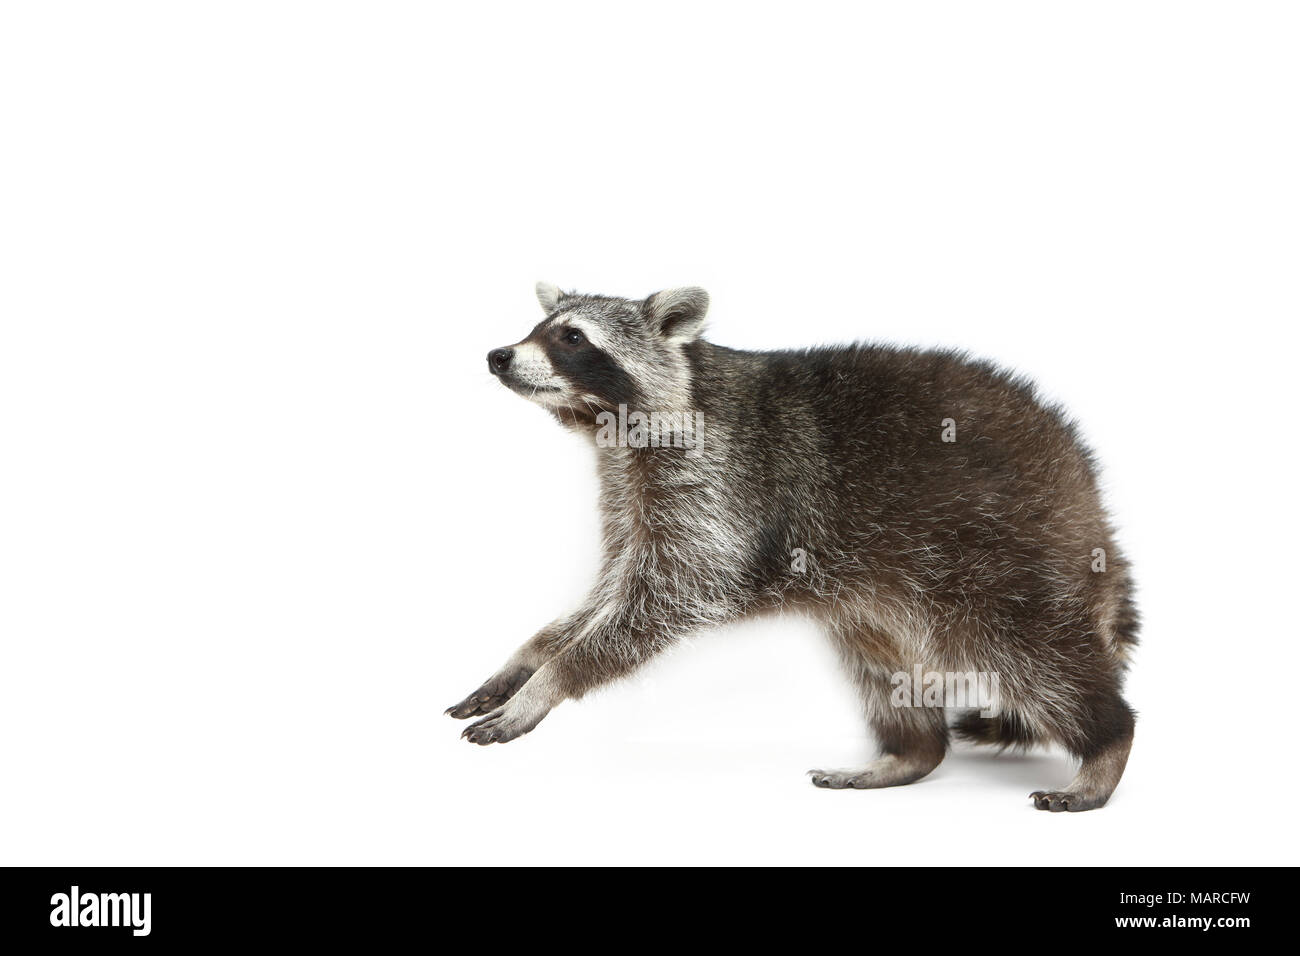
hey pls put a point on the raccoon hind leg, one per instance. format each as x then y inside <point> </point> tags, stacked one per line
<point>1101,740</point>
<point>913,740</point>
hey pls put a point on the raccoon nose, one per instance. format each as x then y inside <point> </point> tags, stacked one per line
<point>499,360</point>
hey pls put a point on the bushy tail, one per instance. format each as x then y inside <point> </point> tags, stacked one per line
<point>1127,621</point>
<point>1124,623</point>
<point>1003,731</point>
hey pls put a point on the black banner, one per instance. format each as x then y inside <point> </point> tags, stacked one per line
<point>136,907</point>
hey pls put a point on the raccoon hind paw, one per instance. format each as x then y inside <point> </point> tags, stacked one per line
<point>1055,801</point>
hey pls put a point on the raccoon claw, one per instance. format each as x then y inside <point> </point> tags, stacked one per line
<point>1054,801</point>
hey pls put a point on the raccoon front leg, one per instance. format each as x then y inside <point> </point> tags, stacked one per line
<point>597,656</point>
<point>912,740</point>
<point>507,681</point>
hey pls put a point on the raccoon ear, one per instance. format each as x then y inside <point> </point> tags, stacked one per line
<point>678,314</point>
<point>549,296</point>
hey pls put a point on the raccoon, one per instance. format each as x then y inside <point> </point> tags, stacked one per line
<point>941,516</point>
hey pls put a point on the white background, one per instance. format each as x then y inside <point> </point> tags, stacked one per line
<point>264,514</point>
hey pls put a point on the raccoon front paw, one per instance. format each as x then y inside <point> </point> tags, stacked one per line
<point>502,726</point>
<point>494,694</point>
<point>1054,801</point>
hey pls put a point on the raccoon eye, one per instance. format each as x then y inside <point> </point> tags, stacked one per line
<point>574,337</point>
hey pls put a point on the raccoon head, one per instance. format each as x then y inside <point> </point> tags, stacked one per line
<point>593,353</point>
